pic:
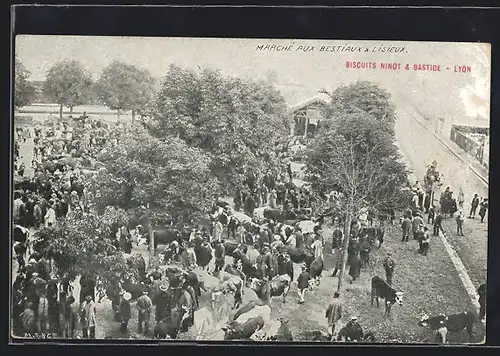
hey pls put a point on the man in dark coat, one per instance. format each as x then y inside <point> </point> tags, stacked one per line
<point>125,312</point>
<point>437,224</point>
<point>473,206</point>
<point>389,265</point>
<point>354,259</point>
<point>249,205</point>
<point>162,303</point>
<point>219,252</point>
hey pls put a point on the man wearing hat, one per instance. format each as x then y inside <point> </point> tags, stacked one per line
<point>389,265</point>
<point>303,283</point>
<point>125,311</point>
<point>88,317</point>
<point>144,307</point>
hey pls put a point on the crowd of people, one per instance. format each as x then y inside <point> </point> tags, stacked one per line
<point>62,164</point>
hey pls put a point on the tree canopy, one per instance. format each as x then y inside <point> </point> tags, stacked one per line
<point>355,153</point>
<point>365,96</point>
<point>83,243</point>
<point>123,86</point>
<point>166,175</point>
<point>68,84</point>
<point>24,91</point>
<point>237,121</point>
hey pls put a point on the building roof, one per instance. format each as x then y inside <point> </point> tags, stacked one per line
<point>319,98</point>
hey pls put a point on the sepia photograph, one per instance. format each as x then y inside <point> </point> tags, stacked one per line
<point>226,189</point>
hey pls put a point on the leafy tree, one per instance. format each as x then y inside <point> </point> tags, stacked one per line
<point>237,121</point>
<point>68,84</point>
<point>24,91</point>
<point>123,86</point>
<point>366,96</point>
<point>83,243</point>
<point>354,153</point>
<point>170,178</point>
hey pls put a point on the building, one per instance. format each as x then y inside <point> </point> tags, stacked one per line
<point>307,115</point>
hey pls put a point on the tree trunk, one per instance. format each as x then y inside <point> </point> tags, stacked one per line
<point>71,110</point>
<point>118,113</point>
<point>133,115</point>
<point>60,111</point>
<point>151,244</point>
<point>345,245</point>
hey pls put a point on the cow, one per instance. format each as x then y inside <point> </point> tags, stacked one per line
<point>315,270</point>
<point>300,255</point>
<point>135,289</point>
<point>252,309</point>
<point>236,271</point>
<point>381,289</point>
<point>275,214</point>
<point>454,323</point>
<point>170,326</point>
<point>166,236</point>
<point>231,246</point>
<point>232,283</point>
<point>203,255</point>
<point>236,331</point>
<point>276,330</point>
<point>265,290</point>
<point>375,235</point>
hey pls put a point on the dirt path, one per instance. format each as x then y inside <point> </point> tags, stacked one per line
<point>472,248</point>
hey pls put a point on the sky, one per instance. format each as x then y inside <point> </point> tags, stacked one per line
<point>299,74</point>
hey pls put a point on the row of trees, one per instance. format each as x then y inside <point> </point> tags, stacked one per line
<point>354,153</point>
<point>120,86</point>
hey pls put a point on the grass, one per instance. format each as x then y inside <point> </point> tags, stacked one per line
<point>472,248</point>
<point>430,284</point>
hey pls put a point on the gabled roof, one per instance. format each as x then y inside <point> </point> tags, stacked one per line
<point>320,98</point>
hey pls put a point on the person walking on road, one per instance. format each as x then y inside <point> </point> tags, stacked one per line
<point>333,314</point>
<point>437,224</point>
<point>473,206</point>
<point>406,227</point>
<point>389,265</point>
<point>460,223</point>
<point>302,283</point>
<point>460,198</point>
<point>483,208</point>
<point>144,307</point>
<point>125,312</point>
<point>88,318</point>
<point>425,243</point>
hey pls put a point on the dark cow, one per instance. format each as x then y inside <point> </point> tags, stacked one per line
<point>236,272</point>
<point>203,255</point>
<point>236,331</point>
<point>375,235</point>
<point>300,255</point>
<point>453,323</point>
<point>231,246</point>
<point>315,270</point>
<point>135,289</point>
<point>381,289</point>
<point>165,237</point>
<point>171,325</point>
<point>275,214</point>
<point>278,286</point>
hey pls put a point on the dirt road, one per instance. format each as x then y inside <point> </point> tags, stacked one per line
<point>421,147</point>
